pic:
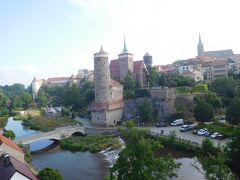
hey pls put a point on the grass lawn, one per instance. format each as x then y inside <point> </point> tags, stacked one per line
<point>36,121</point>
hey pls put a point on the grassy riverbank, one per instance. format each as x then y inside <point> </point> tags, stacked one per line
<point>92,143</point>
<point>3,121</point>
<point>36,121</point>
<point>47,124</point>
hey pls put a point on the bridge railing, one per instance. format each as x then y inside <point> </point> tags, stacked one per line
<point>49,133</point>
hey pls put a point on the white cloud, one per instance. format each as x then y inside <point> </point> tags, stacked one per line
<point>17,74</point>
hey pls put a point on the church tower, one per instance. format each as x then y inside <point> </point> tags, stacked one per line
<point>200,48</point>
<point>125,62</point>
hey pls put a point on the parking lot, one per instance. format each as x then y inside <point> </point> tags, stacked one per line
<point>186,135</point>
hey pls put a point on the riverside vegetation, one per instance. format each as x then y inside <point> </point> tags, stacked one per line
<point>35,121</point>
<point>94,143</point>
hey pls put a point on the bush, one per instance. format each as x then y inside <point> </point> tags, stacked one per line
<point>90,143</point>
<point>49,174</point>
<point>141,93</point>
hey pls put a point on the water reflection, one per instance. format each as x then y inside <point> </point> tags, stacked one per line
<point>73,166</point>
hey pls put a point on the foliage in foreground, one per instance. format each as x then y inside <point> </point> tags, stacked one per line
<point>233,111</point>
<point>94,143</point>
<point>9,134</point>
<point>138,161</point>
<point>214,162</point>
<point>233,151</point>
<point>49,174</point>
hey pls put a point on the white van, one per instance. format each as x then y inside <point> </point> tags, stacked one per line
<point>177,122</point>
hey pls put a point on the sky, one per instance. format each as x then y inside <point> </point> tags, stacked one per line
<point>51,38</point>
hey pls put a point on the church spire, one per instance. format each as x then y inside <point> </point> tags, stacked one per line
<point>124,46</point>
<point>200,38</point>
<point>200,48</point>
<point>101,49</point>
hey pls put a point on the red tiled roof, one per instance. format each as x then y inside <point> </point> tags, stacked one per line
<point>138,66</point>
<point>115,83</point>
<point>9,143</point>
<point>6,172</point>
<point>58,79</point>
<point>164,68</point>
<point>107,105</point>
<point>22,168</point>
<point>114,67</point>
<point>187,72</point>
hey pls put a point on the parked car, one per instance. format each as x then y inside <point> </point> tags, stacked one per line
<point>208,133</point>
<point>201,132</point>
<point>185,128</point>
<point>177,122</point>
<point>214,135</point>
<point>161,124</point>
<point>195,131</point>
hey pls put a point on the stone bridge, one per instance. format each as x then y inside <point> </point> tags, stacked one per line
<point>62,133</point>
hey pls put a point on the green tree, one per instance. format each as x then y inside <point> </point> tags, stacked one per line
<point>183,81</point>
<point>225,86</point>
<point>9,134</point>
<point>233,150</point>
<point>207,147</point>
<point>49,174</point>
<point>203,111</point>
<point>146,110</point>
<point>151,76</point>
<point>129,82</point>
<point>213,99</point>
<point>138,161</point>
<point>233,111</point>
<point>130,124</point>
<point>3,105</point>
<point>215,167</point>
<point>42,98</point>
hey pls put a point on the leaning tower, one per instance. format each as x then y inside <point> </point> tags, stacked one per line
<point>107,108</point>
<point>102,78</point>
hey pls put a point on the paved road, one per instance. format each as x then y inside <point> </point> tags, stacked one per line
<point>85,121</point>
<point>186,135</point>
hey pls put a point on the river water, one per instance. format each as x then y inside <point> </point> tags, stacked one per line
<point>85,165</point>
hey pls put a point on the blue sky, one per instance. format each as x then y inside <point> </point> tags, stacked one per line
<point>48,38</point>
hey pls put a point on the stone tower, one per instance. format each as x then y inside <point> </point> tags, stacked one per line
<point>147,58</point>
<point>102,78</point>
<point>125,62</point>
<point>200,48</point>
<point>36,85</point>
<point>107,108</point>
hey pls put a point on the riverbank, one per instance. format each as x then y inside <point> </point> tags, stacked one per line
<point>36,121</point>
<point>92,143</point>
<point>3,121</point>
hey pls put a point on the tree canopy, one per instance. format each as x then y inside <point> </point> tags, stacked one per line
<point>203,111</point>
<point>233,111</point>
<point>151,76</point>
<point>174,80</point>
<point>224,86</point>
<point>129,82</point>
<point>9,134</point>
<point>49,174</point>
<point>146,111</point>
<point>138,161</point>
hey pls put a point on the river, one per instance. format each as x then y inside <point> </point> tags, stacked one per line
<point>85,165</point>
